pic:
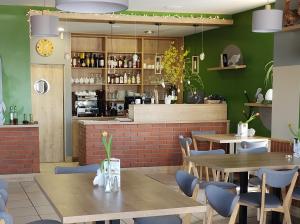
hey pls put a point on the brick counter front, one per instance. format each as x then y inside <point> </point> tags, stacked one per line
<point>19,150</point>
<point>140,145</point>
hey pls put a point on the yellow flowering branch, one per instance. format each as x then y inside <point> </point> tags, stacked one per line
<point>173,63</point>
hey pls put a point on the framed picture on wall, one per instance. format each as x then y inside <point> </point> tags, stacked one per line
<point>158,65</point>
<point>195,64</point>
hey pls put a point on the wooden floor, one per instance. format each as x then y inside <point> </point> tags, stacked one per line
<point>27,203</point>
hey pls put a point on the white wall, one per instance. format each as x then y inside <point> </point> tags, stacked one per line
<point>286,98</point>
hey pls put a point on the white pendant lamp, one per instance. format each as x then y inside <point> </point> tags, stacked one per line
<point>44,26</point>
<point>267,21</point>
<point>92,6</point>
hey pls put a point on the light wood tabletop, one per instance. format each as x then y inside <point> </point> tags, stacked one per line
<point>230,139</point>
<point>76,200</point>
<point>245,162</point>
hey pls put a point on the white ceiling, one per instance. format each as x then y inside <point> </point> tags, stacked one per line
<point>195,6</point>
<point>180,6</point>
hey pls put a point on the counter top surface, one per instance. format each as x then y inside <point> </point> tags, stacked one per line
<point>95,122</point>
<point>20,126</point>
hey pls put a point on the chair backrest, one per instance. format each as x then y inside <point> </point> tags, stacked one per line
<point>2,205</point>
<point>277,179</point>
<point>254,150</point>
<point>79,169</point>
<point>210,152</point>
<point>203,133</point>
<point>185,145</point>
<point>7,218</point>
<point>186,182</point>
<point>222,201</point>
<point>249,145</point>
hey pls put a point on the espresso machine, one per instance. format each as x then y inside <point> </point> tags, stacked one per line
<point>88,103</point>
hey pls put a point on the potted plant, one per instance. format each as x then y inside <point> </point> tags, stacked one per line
<point>193,85</point>
<point>103,173</point>
<point>243,126</point>
<point>173,63</point>
<point>296,143</point>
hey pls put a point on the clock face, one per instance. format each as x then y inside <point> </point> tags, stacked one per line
<point>45,47</point>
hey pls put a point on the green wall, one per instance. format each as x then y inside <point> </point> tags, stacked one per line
<point>257,50</point>
<point>14,50</point>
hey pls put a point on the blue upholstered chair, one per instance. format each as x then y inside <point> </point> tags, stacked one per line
<point>274,179</point>
<point>249,146</point>
<point>78,169</point>
<point>7,218</point>
<point>296,194</point>
<point>185,143</point>
<point>4,195</point>
<point>3,184</point>
<point>189,185</point>
<point>254,181</point>
<point>200,133</point>
<point>223,202</point>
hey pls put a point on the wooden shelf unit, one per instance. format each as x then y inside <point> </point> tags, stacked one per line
<point>258,105</point>
<point>144,46</point>
<point>295,27</point>
<point>227,68</point>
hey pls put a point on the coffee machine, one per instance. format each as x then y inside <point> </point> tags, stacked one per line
<point>88,103</point>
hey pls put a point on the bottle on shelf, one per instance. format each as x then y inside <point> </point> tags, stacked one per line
<point>125,62</point>
<point>117,79</point>
<point>15,116</point>
<point>120,62</point>
<point>101,61</point>
<point>112,79</point>
<point>74,60</point>
<point>82,60</point>
<point>25,121</point>
<point>108,79</point>
<point>92,60</point>
<point>87,60</point>
<point>138,78</point>
<point>121,79</point>
<point>125,78</point>
<point>138,63</point>
<point>130,63</point>
<point>78,60</point>
<point>97,61</point>
<point>133,79</point>
<point>128,79</point>
<point>11,115</point>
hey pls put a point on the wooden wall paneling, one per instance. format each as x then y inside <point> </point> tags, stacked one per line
<point>48,110</point>
<point>87,44</point>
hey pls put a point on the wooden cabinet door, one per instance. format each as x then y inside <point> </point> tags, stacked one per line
<point>47,109</point>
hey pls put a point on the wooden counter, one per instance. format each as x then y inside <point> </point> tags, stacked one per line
<point>151,139</point>
<point>177,112</point>
<point>19,149</point>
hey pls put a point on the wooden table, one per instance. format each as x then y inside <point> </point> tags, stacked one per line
<point>76,200</point>
<point>230,139</point>
<point>242,164</point>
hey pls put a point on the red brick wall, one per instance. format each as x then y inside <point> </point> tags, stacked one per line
<point>140,145</point>
<point>19,150</point>
<point>278,145</point>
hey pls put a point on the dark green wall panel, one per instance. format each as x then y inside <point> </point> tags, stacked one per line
<point>257,50</point>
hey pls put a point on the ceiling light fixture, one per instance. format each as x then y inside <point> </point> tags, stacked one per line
<point>44,25</point>
<point>92,6</point>
<point>267,20</point>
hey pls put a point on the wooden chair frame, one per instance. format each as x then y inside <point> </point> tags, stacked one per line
<point>285,208</point>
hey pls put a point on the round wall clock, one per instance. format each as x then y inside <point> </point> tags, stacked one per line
<point>45,47</point>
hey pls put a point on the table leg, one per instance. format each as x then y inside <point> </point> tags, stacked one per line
<point>210,145</point>
<point>243,189</point>
<point>275,216</point>
<point>231,148</point>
